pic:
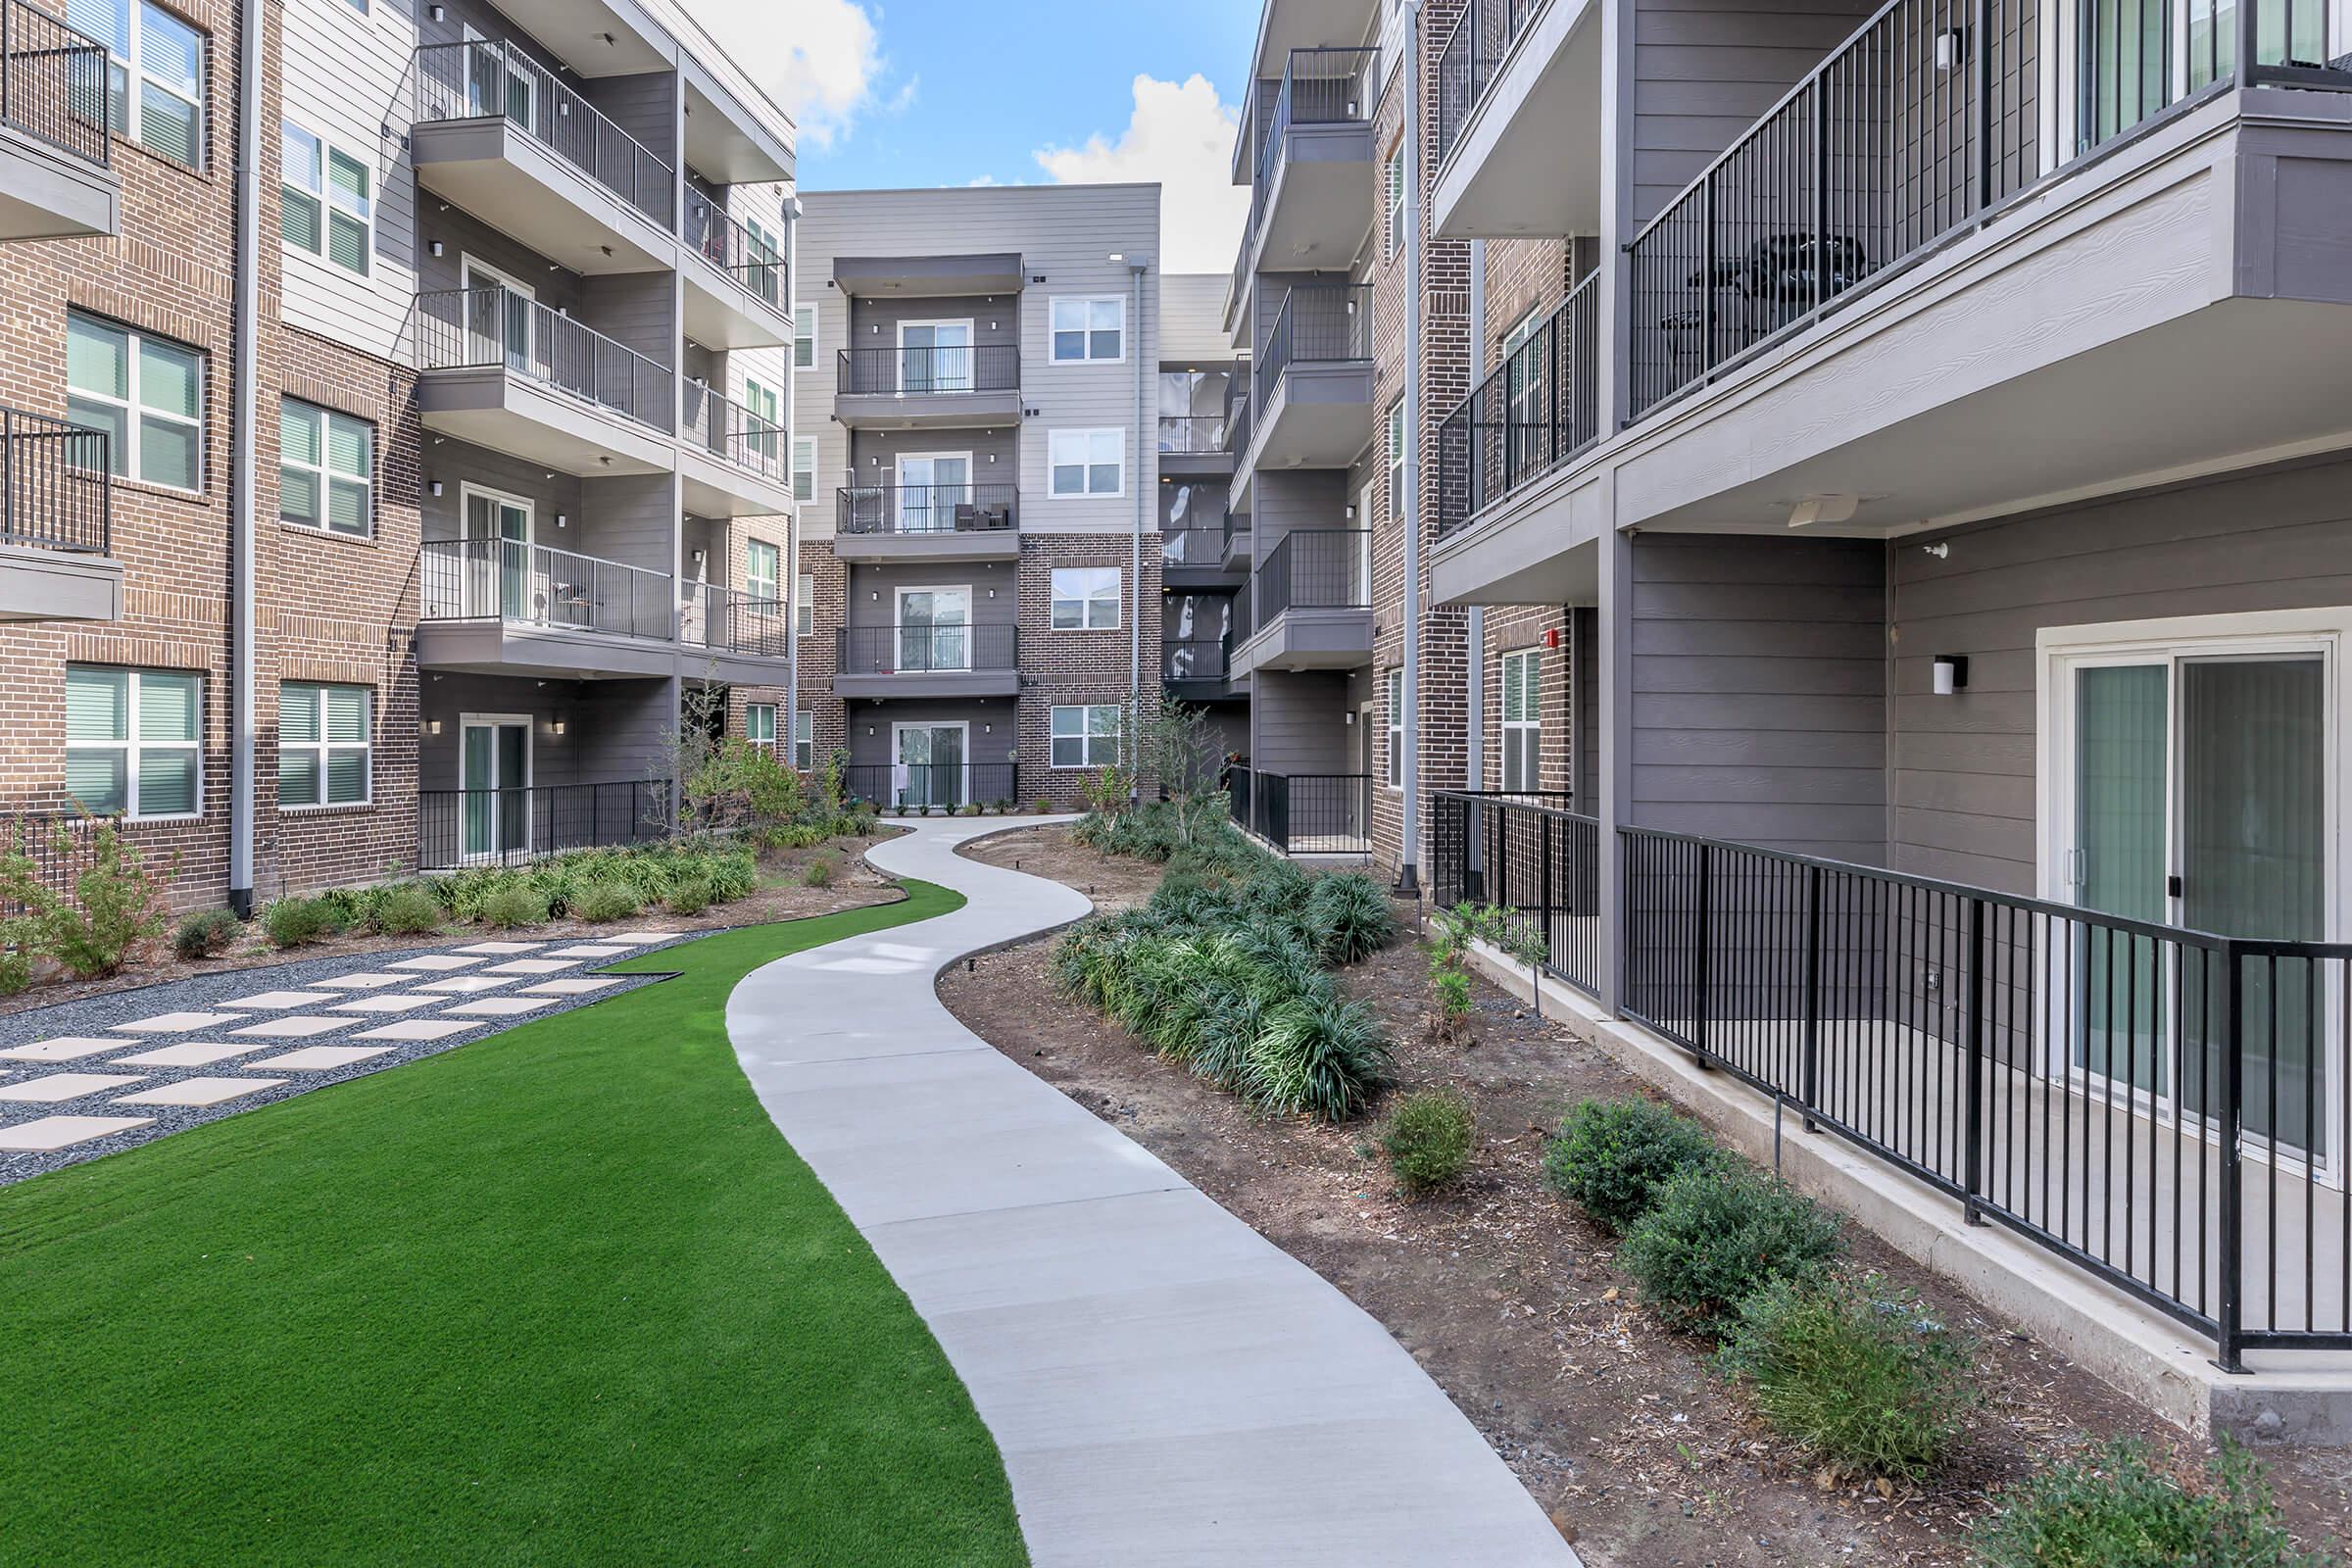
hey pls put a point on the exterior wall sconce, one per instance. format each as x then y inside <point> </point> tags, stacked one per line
<point>432,726</point>
<point>435,245</point>
<point>562,521</point>
<point>1951,48</point>
<point>435,486</point>
<point>556,726</point>
<point>1951,674</point>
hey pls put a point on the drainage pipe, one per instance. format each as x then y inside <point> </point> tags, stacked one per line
<point>243,373</point>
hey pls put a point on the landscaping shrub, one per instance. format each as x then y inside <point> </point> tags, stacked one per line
<point>295,921</point>
<point>1429,1139</point>
<point>16,967</point>
<point>1864,1378</point>
<point>731,876</point>
<point>607,901</point>
<point>204,934</point>
<point>514,905</point>
<point>1351,916</point>
<point>688,895</point>
<point>1614,1157</point>
<point>1320,1057</point>
<point>1718,1233</point>
<point>2117,1509</point>
<point>817,874</point>
<point>118,905</point>
<point>408,909</point>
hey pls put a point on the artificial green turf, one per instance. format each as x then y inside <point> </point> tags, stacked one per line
<point>561,1296</point>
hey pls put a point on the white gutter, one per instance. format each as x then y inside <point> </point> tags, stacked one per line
<point>1135,622</point>
<point>243,359</point>
<point>1408,848</point>
<point>791,535</point>
<point>1474,750</point>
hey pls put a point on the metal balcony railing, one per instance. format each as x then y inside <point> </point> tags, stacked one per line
<point>1539,409</point>
<point>1238,418</point>
<point>469,328</point>
<point>924,372</point>
<point>1532,856</point>
<point>939,785</point>
<point>489,78</point>
<point>1188,433</point>
<point>53,84</point>
<point>727,429</point>
<point>911,509</point>
<point>55,493</point>
<point>1313,568</point>
<point>1474,50</point>
<point>1305,813</point>
<point>1322,86</point>
<point>1196,658</point>
<point>734,621</point>
<point>751,262</point>
<point>536,585</point>
<point>1316,323</point>
<point>925,648</point>
<point>508,827</point>
<point>1193,547</point>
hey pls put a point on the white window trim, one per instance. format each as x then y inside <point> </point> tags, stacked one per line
<point>804,604</point>
<point>752,581</point>
<point>1089,357</point>
<point>322,745</point>
<point>134,411</point>
<point>1394,196</point>
<point>468,264</point>
<point>963,750</point>
<point>325,473</point>
<point>327,149</point>
<point>803,739</point>
<point>1391,712</point>
<point>756,394</point>
<point>899,479</point>
<point>770,709</point>
<point>467,490</point>
<point>131,744</point>
<point>804,445</point>
<point>1531,659</point>
<point>971,347</point>
<point>1086,738</point>
<point>803,319</point>
<point>134,70</point>
<point>899,624</point>
<point>1088,431</point>
<point>1085,602</point>
<point>1392,456</point>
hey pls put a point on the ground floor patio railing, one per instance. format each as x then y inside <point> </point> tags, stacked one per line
<point>1530,855</point>
<point>462,827</point>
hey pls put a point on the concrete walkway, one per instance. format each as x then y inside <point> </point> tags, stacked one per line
<point>1169,1389</point>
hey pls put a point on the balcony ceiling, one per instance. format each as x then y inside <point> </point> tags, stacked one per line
<point>499,173</point>
<point>1529,160</point>
<point>1287,24</point>
<point>1320,210</point>
<point>723,144</point>
<point>546,652</point>
<point>721,313</point>
<point>718,488</point>
<point>904,277</point>
<point>595,38</point>
<point>48,194</point>
<point>490,406</point>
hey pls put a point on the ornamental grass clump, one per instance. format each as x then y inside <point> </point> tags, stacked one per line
<point>514,906</point>
<point>1614,1157</point>
<point>409,909</point>
<point>607,901</point>
<point>1719,1234</point>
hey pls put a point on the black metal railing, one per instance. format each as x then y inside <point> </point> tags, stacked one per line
<point>1184,435</point>
<point>2152,1104</point>
<point>1314,814</point>
<point>1322,86</point>
<point>488,78</point>
<point>728,430</point>
<point>54,489</point>
<point>1196,658</point>
<point>751,262</point>
<point>1538,410</point>
<point>59,846</point>
<point>925,648</point>
<point>504,826</point>
<point>1194,547</point>
<point>1474,50</point>
<point>1529,852</point>
<point>934,784</point>
<point>908,509</point>
<point>53,82</point>
<point>1316,323</point>
<point>1241,794</point>
<point>469,328</point>
<point>928,372</point>
<point>1236,522</point>
<point>734,621</point>
<point>534,585</point>
<point>1313,568</point>
<point>1237,419</point>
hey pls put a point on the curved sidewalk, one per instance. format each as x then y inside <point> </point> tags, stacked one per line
<point>1169,1389</point>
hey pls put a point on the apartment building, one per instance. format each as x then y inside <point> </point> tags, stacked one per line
<point>979,565</point>
<point>435,497</point>
<point>1205,603</point>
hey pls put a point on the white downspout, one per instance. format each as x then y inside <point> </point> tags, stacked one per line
<point>1408,848</point>
<point>791,535</point>
<point>243,373</point>
<point>1474,750</point>
<point>1134,620</point>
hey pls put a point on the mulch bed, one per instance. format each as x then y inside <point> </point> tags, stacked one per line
<point>1509,1297</point>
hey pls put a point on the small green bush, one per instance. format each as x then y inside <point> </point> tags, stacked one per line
<point>1718,1235</point>
<point>118,905</point>
<point>513,907</point>
<point>204,934</point>
<point>2117,1509</point>
<point>1429,1139</point>
<point>1864,1378</point>
<point>1614,1157</point>
<point>1043,808</point>
<point>15,961</point>
<point>409,909</point>
<point>296,922</point>
<point>688,895</point>
<point>731,876</point>
<point>607,901</point>
<point>817,874</point>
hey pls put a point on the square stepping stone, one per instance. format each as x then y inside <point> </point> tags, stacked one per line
<point>419,1029</point>
<point>179,1023</point>
<point>436,962</point>
<point>465,985</point>
<point>531,967</point>
<point>65,1048</point>
<point>299,1026</point>
<point>50,1088</point>
<point>282,998</point>
<point>502,1006</point>
<point>578,987</point>
<point>199,1090</point>
<point>367,980</point>
<point>385,1003</point>
<point>593,950</point>
<point>195,1054</point>
<point>49,1134</point>
<point>317,1058</point>
<point>509,948</point>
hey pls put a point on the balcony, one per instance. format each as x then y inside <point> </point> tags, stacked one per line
<point>1311,391</point>
<point>509,374</point>
<point>1194,445</point>
<point>56,523</point>
<point>1311,194</point>
<point>746,637</point>
<point>944,785</point>
<point>1238,541</point>
<point>1519,126</point>
<point>927,659</point>
<point>738,286</point>
<point>1196,558</point>
<point>511,826</point>
<point>1305,813</point>
<point>927,388</point>
<point>1312,603</point>
<point>1197,670</point>
<point>507,607</point>
<point>56,178</point>
<point>887,522</point>
<point>732,462</point>
<point>499,135</point>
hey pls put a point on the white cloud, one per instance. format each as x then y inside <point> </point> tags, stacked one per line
<point>1182,136</point>
<point>820,59</point>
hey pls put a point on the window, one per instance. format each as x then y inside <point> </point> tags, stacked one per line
<point>804,336</point>
<point>1086,597</point>
<point>804,603</point>
<point>761,404</point>
<point>1396,462</point>
<point>1087,462</point>
<point>1085,737</point>
<point>146,394</point>
<point>132,739</point>
<point>804,740</point>
<point>324,180</point>
<point>1521,331</point>
<point>1088,330</point>
<point>154,76</point>
<point>760,725</point>
<point>1522,720</point>
<point>765,256</point>
<point>804,468</point>
<point>1396,184</point>
<point>323,745</point>
<point>301,188</point>
<point>1396,727</point>
<point>325,469</point>
<point>759,570</point>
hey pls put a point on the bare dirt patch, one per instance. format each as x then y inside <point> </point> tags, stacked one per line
<point>1509,1297</point>
<point>1115,882</point>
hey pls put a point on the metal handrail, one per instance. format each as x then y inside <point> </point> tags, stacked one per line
<point>1313,568</point>
<point>462,328</point>
<point>1319,87</point>
<point>1535,410</point>
<point>1187,435</point>
<point>1196,658</point>
<point>721,239</point>
<point>1316,323</point>
<point>490,79</point>
<point>53,82</point>
<point>529,584</point>
<point>734,621</point>
<point>56,491</point>
<point>727,429</point>
<point>904,372</point>
<point>522,823</point>
<point>926,509</point>
<point>1472,56</point>
<point>926,648</point>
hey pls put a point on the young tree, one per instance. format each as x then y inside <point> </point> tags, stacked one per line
<point>1180,749</point>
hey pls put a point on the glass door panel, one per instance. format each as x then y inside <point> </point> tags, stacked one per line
<point>494,771</point>
<point>933,630</point>
<point>2121,848</point>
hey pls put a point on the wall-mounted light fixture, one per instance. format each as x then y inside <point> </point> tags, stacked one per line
<point>434,245</point>
<point>555,727</point>
<point>435,12</point>
<point>1951,48</point>
<point>563,521</point>
<point>1346,718</point>
<point>1951,674</point>
<point>434,485</point>
<point>432,726</point>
